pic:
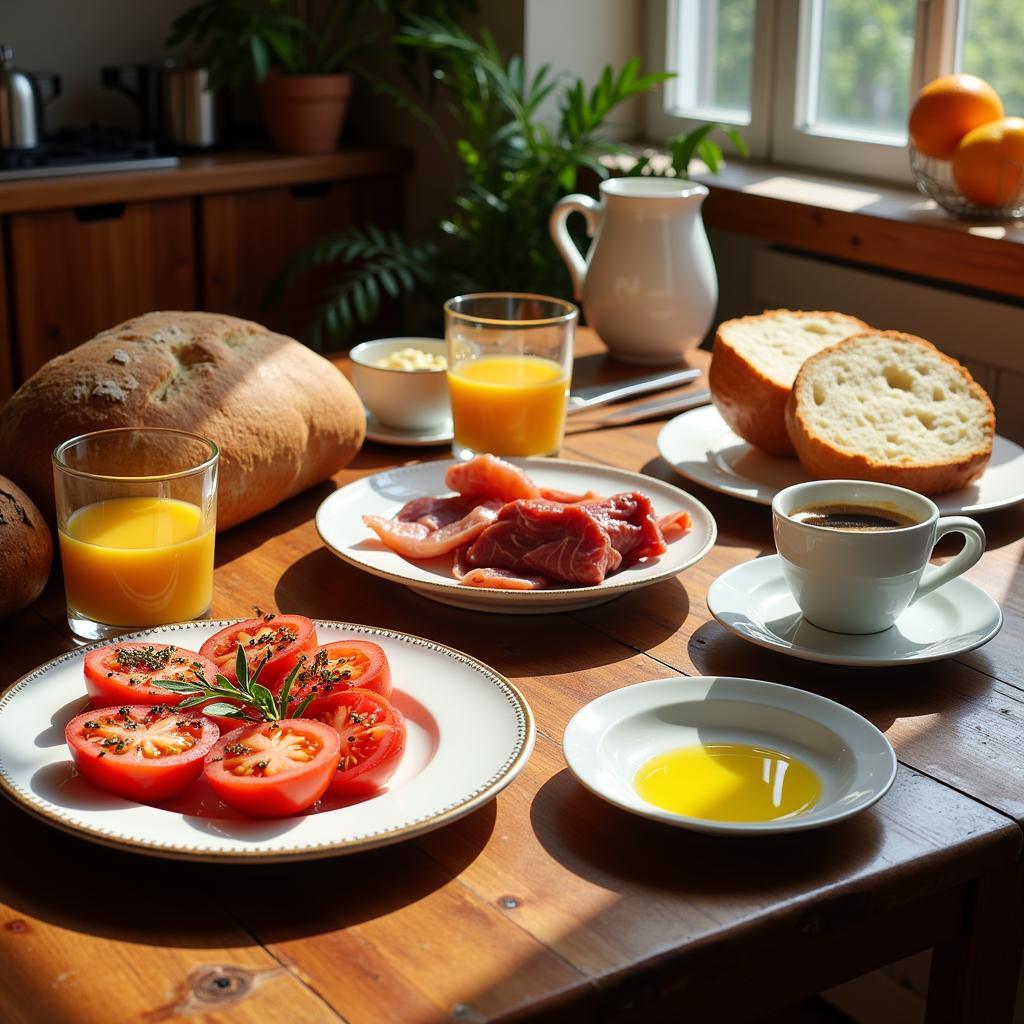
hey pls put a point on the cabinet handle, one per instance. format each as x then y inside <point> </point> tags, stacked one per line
<point>99,211</point>
<point>311,190</point>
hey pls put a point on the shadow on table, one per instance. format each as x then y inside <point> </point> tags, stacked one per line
<point>84,887</point>
<point>883,695</point>
<point>322,586</point>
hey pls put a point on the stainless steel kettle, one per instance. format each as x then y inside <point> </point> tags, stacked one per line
<point>22,95</point>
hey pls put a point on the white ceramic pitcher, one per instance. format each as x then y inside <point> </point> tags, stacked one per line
<point>648,285</point>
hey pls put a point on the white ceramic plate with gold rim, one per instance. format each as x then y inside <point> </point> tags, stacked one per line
<point>447,770</point>
<point>608,740</point>
<point>700,446</point>
<point>340,525</point>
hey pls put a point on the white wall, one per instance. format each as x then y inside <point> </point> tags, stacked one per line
<point>580,37</point>
<point>75,38</point>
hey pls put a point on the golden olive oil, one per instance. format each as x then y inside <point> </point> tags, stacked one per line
<point>729,782</point>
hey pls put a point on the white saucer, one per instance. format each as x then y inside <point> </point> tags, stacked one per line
<point>753,601</point>
<point>383,434</point>
<point>609,739</point>
<point>699,446</point>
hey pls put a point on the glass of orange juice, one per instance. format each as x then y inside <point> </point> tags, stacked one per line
<point>509,368</point>
<point>136,517</point>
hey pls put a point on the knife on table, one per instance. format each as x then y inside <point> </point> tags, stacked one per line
<point>601,394</point>
<point>647,410</point>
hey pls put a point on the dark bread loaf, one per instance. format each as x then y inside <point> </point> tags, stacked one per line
<point>284,417</point>
<point>26,549</point>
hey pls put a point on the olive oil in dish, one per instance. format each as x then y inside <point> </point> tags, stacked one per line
<point>729,782</point>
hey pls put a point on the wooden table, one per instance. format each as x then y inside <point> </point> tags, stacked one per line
<point>547,903</point>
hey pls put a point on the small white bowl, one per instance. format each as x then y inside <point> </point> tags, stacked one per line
<point>609,739</point>
<point>406,399</point>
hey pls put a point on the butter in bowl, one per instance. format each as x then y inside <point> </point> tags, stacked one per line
<point>403,382</point>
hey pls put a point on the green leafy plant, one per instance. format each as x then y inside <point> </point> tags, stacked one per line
<point>511,168</point>
<point>251,700</point>
<point>242,39</point>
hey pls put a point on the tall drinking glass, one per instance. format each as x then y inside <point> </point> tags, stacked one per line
<point>136,517</point>
<point>509,368</point>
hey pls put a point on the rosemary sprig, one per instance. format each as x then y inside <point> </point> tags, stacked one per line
<point>258,704</point>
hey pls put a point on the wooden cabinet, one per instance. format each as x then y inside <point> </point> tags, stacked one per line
<point>247,236</point>
<point>6,350</point>
<point>86,253</point>
<point>81,270</point>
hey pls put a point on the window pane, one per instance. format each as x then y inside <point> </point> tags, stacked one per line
<point>861,59</point>
<point>713,49</point>
<point>991,44</point>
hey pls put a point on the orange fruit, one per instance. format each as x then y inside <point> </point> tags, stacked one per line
<point>988,164</point>
<point>947,109</point>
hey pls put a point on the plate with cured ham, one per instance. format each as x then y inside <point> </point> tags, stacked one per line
<point>516,536</point>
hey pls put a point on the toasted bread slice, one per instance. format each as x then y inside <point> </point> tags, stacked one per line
<point>755,361</point>
<point>890,407</point>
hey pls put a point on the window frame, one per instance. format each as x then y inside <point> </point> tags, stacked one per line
<point>780,84</point>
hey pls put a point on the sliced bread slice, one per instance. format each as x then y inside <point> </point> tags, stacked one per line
<point>890,407</point>
<point>754,362</point>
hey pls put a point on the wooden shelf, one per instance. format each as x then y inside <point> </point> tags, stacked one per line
<point>867,223</point>
<point>202,175</point>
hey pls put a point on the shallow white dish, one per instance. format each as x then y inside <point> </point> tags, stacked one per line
<point>340,525</point>
<point>447,770</point>
<point>383,434</point>
<point>753,601</point>
<point>699,446</point>
<point>609,739</point>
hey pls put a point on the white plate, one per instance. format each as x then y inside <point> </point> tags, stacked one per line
<point>447,770</point>
<point>609,739</point>
<point>700,446</point>
<point>753,601</point>
<point>383,434</point>
<point>340,525</point>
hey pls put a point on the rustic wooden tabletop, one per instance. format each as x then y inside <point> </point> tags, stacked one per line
<point>547,903</point>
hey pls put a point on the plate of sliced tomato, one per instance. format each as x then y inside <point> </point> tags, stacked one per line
<point>378,751</point>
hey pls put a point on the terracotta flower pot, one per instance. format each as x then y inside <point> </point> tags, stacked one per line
<point>305,113</point>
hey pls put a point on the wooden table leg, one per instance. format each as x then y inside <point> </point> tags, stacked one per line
<point>974,976</point>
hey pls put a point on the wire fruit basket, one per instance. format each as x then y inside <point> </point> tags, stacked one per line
<point>935,179</point>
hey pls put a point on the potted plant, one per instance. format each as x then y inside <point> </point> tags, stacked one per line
<point>300,53</point>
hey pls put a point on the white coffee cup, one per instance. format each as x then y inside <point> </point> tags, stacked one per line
<point>860,581</point>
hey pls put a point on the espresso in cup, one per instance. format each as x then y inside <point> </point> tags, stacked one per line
<point>839,516</point>
<point>854,552</point>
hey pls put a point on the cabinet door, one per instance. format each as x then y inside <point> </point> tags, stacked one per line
<point>6,348</point>
<point>248,236</point>
<point>78,271</point>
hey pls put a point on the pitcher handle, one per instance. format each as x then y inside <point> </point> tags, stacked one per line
<point>591,210</point>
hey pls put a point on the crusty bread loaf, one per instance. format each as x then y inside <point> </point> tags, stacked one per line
<point>26,549</point>
<point>284,417</point>
<point>754,362</point>
<point>890,407</point>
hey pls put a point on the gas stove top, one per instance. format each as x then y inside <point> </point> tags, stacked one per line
<point>82,151</point>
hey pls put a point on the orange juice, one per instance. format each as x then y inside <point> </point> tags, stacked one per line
<point>509,405</point>
<point>138,561</point>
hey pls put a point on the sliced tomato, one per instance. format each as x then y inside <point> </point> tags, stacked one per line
<point>127,673</point>
<point>281,639</point>
<point>274,769</point>
<point>343,665</point>
<point>372,732</point>
<point>146,752</point>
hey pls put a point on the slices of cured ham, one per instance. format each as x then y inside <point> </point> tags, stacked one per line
<point>509,534</point>
<point>487,476</point>
<point>564,542</point>
<point>418,540</point>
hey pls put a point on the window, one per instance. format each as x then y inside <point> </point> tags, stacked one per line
<point>826,83</point>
